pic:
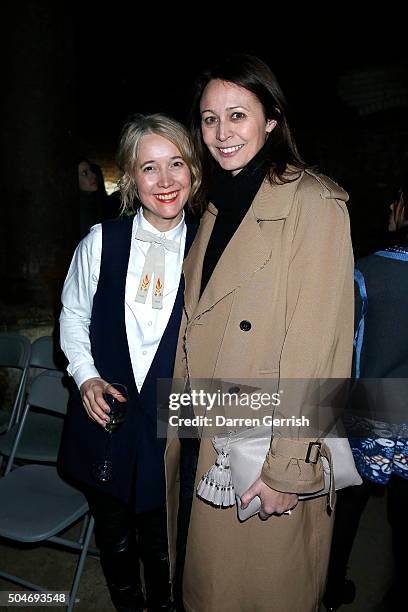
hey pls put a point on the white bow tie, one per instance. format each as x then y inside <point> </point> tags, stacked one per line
<point>154,266</point>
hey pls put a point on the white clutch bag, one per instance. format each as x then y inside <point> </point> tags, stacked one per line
<point>239,463</point>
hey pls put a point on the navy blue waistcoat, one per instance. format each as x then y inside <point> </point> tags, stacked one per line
<point>136,451</point>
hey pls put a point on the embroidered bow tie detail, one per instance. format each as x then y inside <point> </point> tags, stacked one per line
<point>154,266</point>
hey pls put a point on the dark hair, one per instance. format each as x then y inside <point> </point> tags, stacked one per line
<point>254,75</point>
<point>402,231</point>
<point>100,179</point>
<point>404,189</point>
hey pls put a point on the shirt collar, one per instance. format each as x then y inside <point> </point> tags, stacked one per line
<point>175,233</point>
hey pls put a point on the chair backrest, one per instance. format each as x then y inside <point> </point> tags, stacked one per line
<point>42,353</point>
<point>15,351</point>
<point>48,391</point>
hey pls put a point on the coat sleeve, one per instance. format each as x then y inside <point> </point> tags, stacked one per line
<point>316,354</point>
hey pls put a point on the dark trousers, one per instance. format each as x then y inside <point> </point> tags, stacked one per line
<point>124,538</point>
<point>349,508</point>
<point>189,450</point>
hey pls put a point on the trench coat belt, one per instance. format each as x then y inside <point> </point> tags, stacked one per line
<point>298,449</point>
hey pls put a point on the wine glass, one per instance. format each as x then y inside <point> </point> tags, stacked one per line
<point>116,396</point>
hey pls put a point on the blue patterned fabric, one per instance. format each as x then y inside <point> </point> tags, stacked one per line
<point>382,453</point>
<point>379,448</point>
<point>400,254</point>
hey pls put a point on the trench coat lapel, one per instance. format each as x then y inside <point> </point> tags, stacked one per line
<point>193,264</point>
<point>247,252</point>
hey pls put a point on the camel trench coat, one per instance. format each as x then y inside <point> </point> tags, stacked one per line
<point>287,273</point>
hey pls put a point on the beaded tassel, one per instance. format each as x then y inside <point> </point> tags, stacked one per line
<point>216,485</point>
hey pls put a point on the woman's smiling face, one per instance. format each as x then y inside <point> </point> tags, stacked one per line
<point>233,124</point>
<point>163,181</point>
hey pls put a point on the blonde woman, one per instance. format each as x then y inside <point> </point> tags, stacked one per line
<point>115,327</point>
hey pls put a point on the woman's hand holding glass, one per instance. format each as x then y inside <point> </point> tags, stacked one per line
<point>116,398</point>
<point>92,391</point>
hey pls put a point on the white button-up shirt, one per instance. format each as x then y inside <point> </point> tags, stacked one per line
<point>144,324</point>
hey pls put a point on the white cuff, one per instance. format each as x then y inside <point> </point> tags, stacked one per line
<point>84,372</point>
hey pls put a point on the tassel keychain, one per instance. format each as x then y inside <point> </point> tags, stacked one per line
<point>216,485</point>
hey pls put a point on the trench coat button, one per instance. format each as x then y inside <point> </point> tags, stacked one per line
<point>234,390</point>
<point>245,325</point>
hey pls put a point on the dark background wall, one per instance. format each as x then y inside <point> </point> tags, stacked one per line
<point>75,71</point>
<point>39,187</point>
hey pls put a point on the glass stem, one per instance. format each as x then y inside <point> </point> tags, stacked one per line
<point>107,445</point>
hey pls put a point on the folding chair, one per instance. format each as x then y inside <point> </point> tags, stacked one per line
<point>15,351</point>
<point>36,504</point>
<point>40,438</point>
<point>42,354</point>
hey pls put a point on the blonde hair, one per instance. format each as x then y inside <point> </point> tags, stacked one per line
<point>133,131</point>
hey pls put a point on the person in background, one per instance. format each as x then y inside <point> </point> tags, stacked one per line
<point>377,420</point>
<point>269,295</point>
<point>93,198</point>
<point>119,324</point>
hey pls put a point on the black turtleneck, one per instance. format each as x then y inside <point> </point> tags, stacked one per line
<point>232,196</point>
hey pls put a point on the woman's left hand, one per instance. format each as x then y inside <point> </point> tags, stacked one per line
<point>272,502</point>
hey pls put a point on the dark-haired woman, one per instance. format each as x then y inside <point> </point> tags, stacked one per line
<point>269,295</point>
<point>92,195</point>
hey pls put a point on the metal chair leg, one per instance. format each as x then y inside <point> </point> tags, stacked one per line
<point>80,565</point>
<point>84,527</point>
